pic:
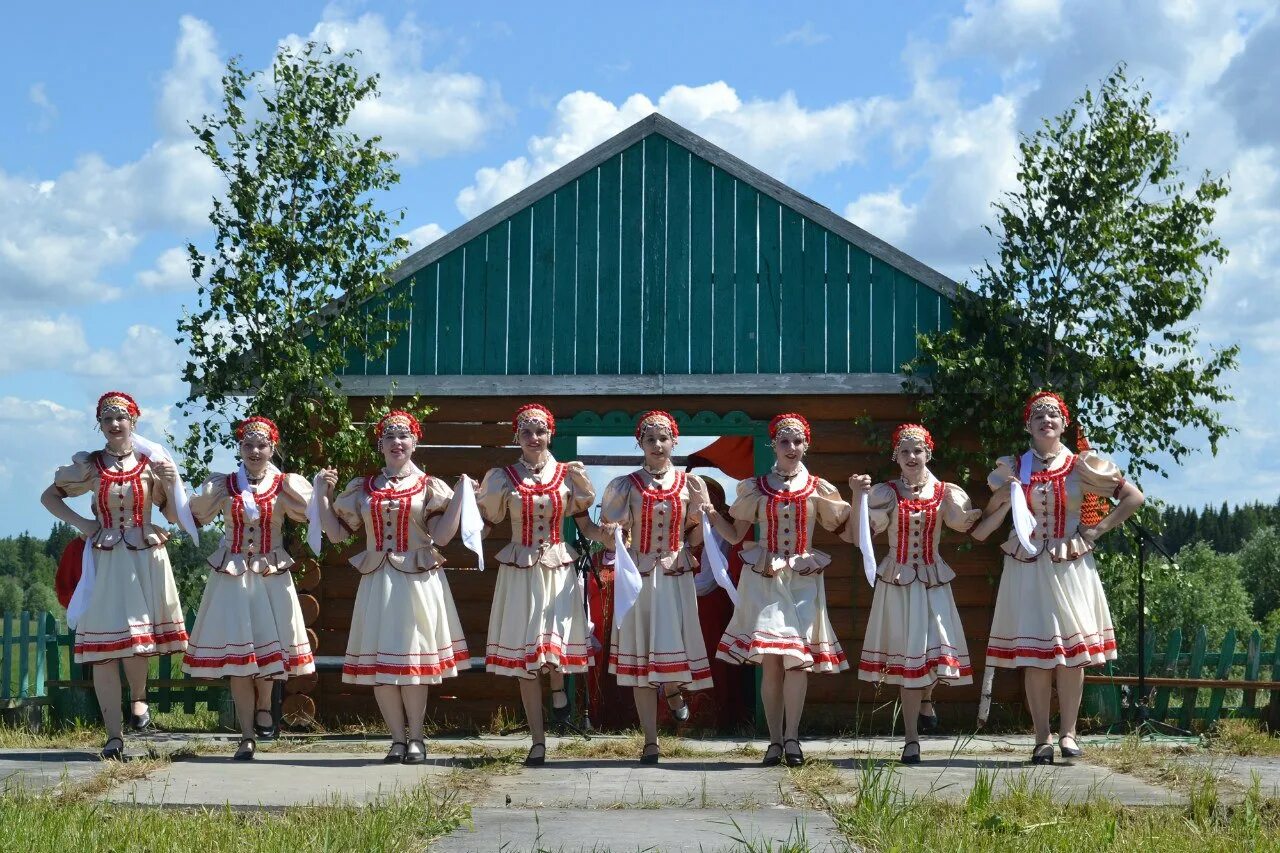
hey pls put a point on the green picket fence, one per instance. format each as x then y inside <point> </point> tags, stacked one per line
<point>37,667</point>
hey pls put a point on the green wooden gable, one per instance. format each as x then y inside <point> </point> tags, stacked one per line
<point>657,254</point>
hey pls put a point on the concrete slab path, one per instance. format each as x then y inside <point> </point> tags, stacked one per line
<point>35,770</point>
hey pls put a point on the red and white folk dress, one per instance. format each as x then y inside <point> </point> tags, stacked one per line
<point>914,636</point>
<point>537,620</point>
<point>249,622</point>
<point>660,640</point>
<point>404,626</point>
<point>134,608</point>
<point>785,614</point>
<point>1051,609</point>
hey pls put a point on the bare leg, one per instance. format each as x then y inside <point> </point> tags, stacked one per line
<point>415,708</point>
<point>795,686</point>
<point>911,699</point>
<point>556,679</point>
<point>389,703</point>
<point>1070,689</point>
<point>1038,684</point>
<point>771,695</point>
<point>531,697</point>
<point>647,710</point>
<point>106,684</point>
<point>244,693</point>
<point>926,699</point>
<point>135,672</point>
<point>262,711</point>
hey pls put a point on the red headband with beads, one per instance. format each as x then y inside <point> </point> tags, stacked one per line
<point>789,421</point>
<point>535,412</point>
<point>398,421</point>
<point>914,431</point>
<point>657,418</point>
<point>118,400</point>
<point>1045,395</point>
<point>258,425</point>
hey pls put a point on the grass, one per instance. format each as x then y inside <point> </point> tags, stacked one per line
<point>1242,737</point>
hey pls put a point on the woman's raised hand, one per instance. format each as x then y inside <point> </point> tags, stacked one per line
<point>860,483</point>
<point>166,471</point>
<point>330,477</point>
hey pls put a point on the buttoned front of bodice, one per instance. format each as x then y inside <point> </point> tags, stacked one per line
<point>252,543</point>
<point>537,505</point>
<point>658,515</point>
<point>788,516</point>
<point>1054,496</point>
<point>915,527</point>
<point>122,499</point>
<point>396,522</point>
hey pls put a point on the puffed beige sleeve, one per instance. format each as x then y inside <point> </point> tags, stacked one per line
<point>958,512</point>
<point>295,494</point>
<point>206,503</point>
<point>492,499</point>
<point>76,478</point>
<point>747,502</point>
<point>1099,475</point>
<point>615,506</point>
<point>833,510</point>
<point>997,479</point>
<point>158,489</point>
<point>581,493</point>
<point>437,496</point>
<point>347,505</point>
<point>882,503</point>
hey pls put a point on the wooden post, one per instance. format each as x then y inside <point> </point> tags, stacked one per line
<point>1196,667</point>
<point>1273,712</point>
<point>42,625</point>
<point>1226,658</point>
<point>1172,653</point>
<point>6,657</point>
<point>1252,666</point>
<point>24,653</point>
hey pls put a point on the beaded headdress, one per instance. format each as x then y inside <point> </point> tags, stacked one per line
<point>118,401</point>
<point>656,419</point>
<point>789,423</point>
<point>1046,400</point>
<point>914,432</point>
<point>259,427</point>
<point>534,414</point>
<point>397,422</point>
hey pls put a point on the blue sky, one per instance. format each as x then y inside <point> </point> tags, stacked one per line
<point>903,117</point>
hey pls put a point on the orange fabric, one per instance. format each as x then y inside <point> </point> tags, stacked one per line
<point>732,454</point>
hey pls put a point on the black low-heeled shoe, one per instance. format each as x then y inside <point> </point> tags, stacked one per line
<point>538,760</point>
<point>411,757</point>
<point>245,751</point>
<point>913,758</point>
<point>928,724</point>
<point>268,731</point>
<point>560,714</point>
<point>392,757</point>
<point>138,722</point>
<point>1042,754</point>
<point>793,759</point>
<point>681,711</point>
<point>775,759</point>
<point>647,757</point>
<point>1070,751</point>
<point>111,753</point>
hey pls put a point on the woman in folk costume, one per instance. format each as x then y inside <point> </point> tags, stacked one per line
<point>538,623</point>
<point>914,638</point>
<point>781,618</point>
<point>1051,614</point>
<point>658,643</point>
<point>126,605</point>
<point>249,628</point>
<point>405,634</point>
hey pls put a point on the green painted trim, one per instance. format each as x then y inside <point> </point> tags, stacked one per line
<point>620,423</point>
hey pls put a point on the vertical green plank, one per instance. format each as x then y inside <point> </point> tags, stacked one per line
<point>564,288</point>
<point>520,293</point>
<point>837,305</point>
<point>402,339</point>
<point>653,339</point>
<point>746,298</point>
<point>723,318</point>
<point>449,323</point>
<point>769,303</point>
<point>928,305</point>
<point>544,233</point>
<point>678,293</point>
<point>860,336</point>
<point>586,328</point>
<point>24,653</point>
<point>904,319</point>
<point>881,317</point>
<point>945,309</point>
<point>1226,657</point>
<point>1252,666</point>
<point>609,254</point>
<point>375,312</point>
<point>38,671</point>
<point>422,358</point>
<point>497,293</point>
<point>701,239</point>
<point>49,654</point>
<point>792,312</point>
<point>6,657</point>
<point>632,214</point>
<point>1172,653</point>
<point>165,676</point>
<point>474,302</point>
<point>1198,647</point>
<point>1273,711</point>
<point>814,346</point>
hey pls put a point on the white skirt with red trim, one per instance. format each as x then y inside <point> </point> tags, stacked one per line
<point>134,609</point>
<point>249,625</point>
<point>914,637</point>
<point>1051,614</point>
<point>660,640</point>
<point>537,622</point>
<point>404,630</point>
<point>783,615</point>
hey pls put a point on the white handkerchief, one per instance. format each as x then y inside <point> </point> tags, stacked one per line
<point>1024,523</point>
<point>314,528</point>
<point>715,559</point>
<point>84,588</point>
<point>154,450</point>
<point>626,579</point>
<point>471,523</point>
<point>864,540</point>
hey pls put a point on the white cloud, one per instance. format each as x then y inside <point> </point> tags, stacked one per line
<point>147,358</point>
<point>171,271</point>
<point>884,214</point>
<point>785,139</point>
<point>423,236</point>
<point>48,113</point>
<point>806,35</point>
<point>36,341</point>
<point>192,85</point>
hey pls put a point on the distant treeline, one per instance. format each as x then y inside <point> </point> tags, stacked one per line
<point>1225,529</point>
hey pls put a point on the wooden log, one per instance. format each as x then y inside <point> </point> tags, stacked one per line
<point>310,608</point>
<point>302,683</point>
<point>308,579</point>
<point>299,710</point>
